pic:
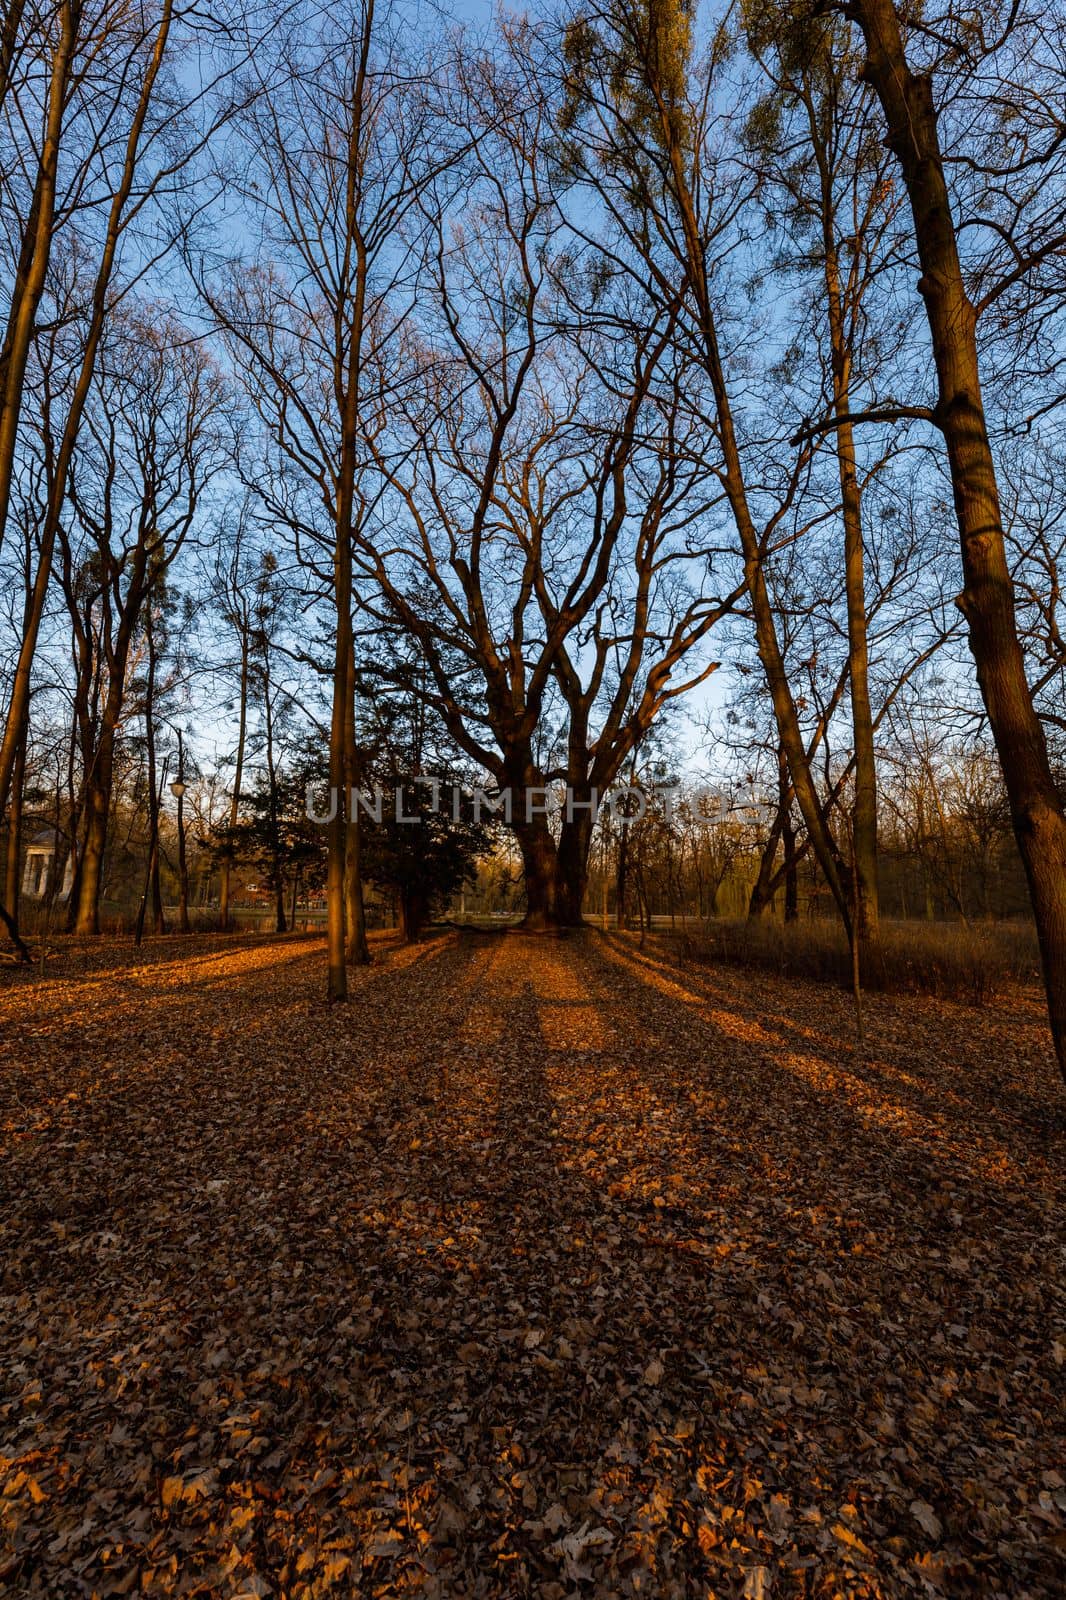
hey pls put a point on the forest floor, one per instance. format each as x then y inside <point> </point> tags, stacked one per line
<point>545,1267</point>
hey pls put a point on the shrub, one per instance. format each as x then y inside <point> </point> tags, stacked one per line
<point>950,960</point>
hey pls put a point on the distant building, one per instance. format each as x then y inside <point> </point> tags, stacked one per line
<point>38,875</point>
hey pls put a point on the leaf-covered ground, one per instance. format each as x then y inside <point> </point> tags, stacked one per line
<point>545,1268</point>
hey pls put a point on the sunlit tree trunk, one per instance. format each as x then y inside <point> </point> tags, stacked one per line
<point>10,43</point>
<point>31,273</point>
<point>987,599</point>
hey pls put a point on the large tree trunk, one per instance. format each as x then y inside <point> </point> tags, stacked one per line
<point>572,867</point>
<point>540,868</point>
<point>413,914</point>
<point>99,763</point>
<point>9,44</point>
<point>556,875</point>
<point>98,807</point>
<point>987,599</point>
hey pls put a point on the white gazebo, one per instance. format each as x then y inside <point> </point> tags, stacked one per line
<point>39,871</point>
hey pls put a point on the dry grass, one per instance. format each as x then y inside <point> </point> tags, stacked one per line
<point>948,960</point>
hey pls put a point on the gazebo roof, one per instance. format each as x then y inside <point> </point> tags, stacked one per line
<point>45,839</point>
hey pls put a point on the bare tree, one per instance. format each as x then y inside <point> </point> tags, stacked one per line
<point>153,437</point>
<point>813,138</point>
<point>233,586</point>
<point>645,137</point>
<point>138,143</point>
<point>335,143</point>
<point>549,495</point>
<point>987,599</point>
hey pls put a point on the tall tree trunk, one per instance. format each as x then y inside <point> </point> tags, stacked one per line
<point>766,639</point>
<point>788,840</point>
<point>235,797</point>
<point>158,919</point>
<point>98,736</point>
<point>357,951</point>
<point>70,854</point>
<point>12,880</point>
<point>97,802</point>
<point>85,737</point>
<point>342,872</point>
<point>864,809</point>
<point>98,764</point>
<point>622,876</point>
<point>75,814</point>
<point>34,255</point>
<point>276,875</point>
<point>987,600</point>
<point>340,796</point>
<point>183,864</point>
<point>762,890</point>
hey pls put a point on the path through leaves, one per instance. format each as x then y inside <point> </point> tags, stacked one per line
<point>545,1268</point>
